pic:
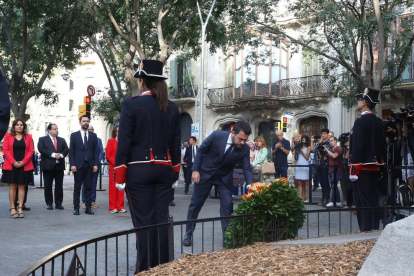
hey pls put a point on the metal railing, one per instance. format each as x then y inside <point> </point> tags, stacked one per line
<point>304,86</point>
<point>183,91</point>
<point>115,253</point>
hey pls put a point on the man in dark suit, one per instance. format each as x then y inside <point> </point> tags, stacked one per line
<point>190,154</point>
<point>54,150</point>
<point>4,107</point>
<point>84,159</point>
<point>213,165</point>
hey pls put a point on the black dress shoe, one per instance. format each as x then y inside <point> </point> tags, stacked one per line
<point>172,203</point>
<point>60,207</point>
<point>89,211</point>
<point>49,207</point>
<point>187,240</point>
<point>76,212</point>
<point>26,208</point>
<point>186,193</point>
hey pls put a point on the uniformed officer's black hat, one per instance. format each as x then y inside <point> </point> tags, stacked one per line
<point>369,94</point>
<point>150,68</point>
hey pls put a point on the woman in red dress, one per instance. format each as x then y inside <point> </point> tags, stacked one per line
<point>116,197</point>
<point>18,150</point>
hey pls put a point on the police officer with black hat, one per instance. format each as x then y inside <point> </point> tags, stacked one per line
<point>367,152</point>
<point>148,160</point>
<point>4,107</point>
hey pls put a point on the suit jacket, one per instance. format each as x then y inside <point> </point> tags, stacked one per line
<point>8,152</point>
<point>188,157</point>
<point>111,151</point>
<point>77,152</point>
<point>209,159</point>
<point>368,141</point>
<point>4,107</point>
<point>46,148</point>
<point>101,150</point>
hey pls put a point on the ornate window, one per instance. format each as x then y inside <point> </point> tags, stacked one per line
<point>260,77</point>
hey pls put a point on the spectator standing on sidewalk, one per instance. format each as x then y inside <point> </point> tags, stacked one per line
<point>116,197</point>
<point>95,174</point>
<point>334,155</point>
<point>302,173</point>
<point>280,152</point>
<point>261,155</point>
<point>18,149</point>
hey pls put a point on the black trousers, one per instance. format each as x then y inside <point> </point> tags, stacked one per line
<point>200,194</point>
<point>322,172</point>
<point>187,178</point>
<point>48,176</point>
<point>148,189</point>
<point>365,191</point>
<point>83,174</point>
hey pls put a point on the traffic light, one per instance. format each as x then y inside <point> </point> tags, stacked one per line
<point>277,126</point>
<point>85,109</point>
<point>284,119</point>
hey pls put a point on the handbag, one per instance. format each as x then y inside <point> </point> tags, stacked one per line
<point>268,167</point>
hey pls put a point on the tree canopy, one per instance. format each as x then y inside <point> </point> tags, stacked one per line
<point>37,37</point>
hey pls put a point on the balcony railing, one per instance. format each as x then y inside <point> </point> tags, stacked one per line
<point>305,86</point>
<point>183,91</point>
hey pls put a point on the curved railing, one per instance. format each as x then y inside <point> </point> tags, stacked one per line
<point>183,91</point>
<point>303,86</point>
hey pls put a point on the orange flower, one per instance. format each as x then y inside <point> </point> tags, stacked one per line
<point>284,180</point>
<point>256,187</point>
<point>247,196</point>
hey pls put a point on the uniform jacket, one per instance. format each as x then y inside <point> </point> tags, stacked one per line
<point>8,152</point>
<point>46,148</point>
<point>77,151</point>
<point>4,107</point>
<point>368,141</point>
<point>209,159</point>
<point>188,157</point>
<point>147,135</point>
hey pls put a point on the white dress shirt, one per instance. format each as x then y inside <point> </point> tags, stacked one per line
<point>83,135</point>
<point>53,154</point>
<point>229,143</point>
<point>193,150</point>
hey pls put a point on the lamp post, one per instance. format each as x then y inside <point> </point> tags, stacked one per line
<point>203,36</point>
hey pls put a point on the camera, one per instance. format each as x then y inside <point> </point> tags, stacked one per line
<point>298,146</point>
<point>321,147</point>
<point>316,137</point>
<point>343,138</point>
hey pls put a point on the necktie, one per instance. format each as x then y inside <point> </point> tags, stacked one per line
<point>54,143</point>
<point>228,151</point>
<point>193,153</point>
<point>85,140</point>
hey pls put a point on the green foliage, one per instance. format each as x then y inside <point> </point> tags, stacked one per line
<point>279,201</point>
<point>105,107</point>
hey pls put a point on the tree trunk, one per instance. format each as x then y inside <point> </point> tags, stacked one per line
<point>381,50</point>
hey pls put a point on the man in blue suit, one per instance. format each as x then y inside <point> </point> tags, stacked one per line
<point>95,174</point>
<point>213,165</point>
<point>4,107</point>
<point>84,159</point>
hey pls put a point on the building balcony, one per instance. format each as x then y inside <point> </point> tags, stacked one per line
<point>183,94</point>
<point>293,92</point>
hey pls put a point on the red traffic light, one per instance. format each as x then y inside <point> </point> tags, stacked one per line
<point>284,119</point>
<point>87,100</point>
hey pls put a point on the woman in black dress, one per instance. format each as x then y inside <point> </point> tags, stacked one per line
<point>18,149</point>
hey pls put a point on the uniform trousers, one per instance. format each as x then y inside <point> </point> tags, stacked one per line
<point>48,176</point>
<point>365,191</point>
<point>83,175</point>
<point>148,188</point>
<point>200,194</point>
<point>116,197</point>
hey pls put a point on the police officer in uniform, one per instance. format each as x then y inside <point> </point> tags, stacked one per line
<point>4,107</point>
<point>367,152</point>
<point>148,158</point>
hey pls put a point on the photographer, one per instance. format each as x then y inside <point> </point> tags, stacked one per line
<point>320,164</point>
<point>366,155</point>
<point>280,152</point>
<point>302,152</point>
<point>408,174</point>
<point>334,171</point>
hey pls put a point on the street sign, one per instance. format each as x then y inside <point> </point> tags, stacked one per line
<point>91,90</point>
<point>289,114</point>
<point>195,130</point>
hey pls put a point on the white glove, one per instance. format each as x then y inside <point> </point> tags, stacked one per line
<point>353,178</point>
<point>248,187</point>
<point>175,184</point>
<point>120,187</point>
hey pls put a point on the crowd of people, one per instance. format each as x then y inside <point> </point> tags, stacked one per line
<point>19,162</point>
